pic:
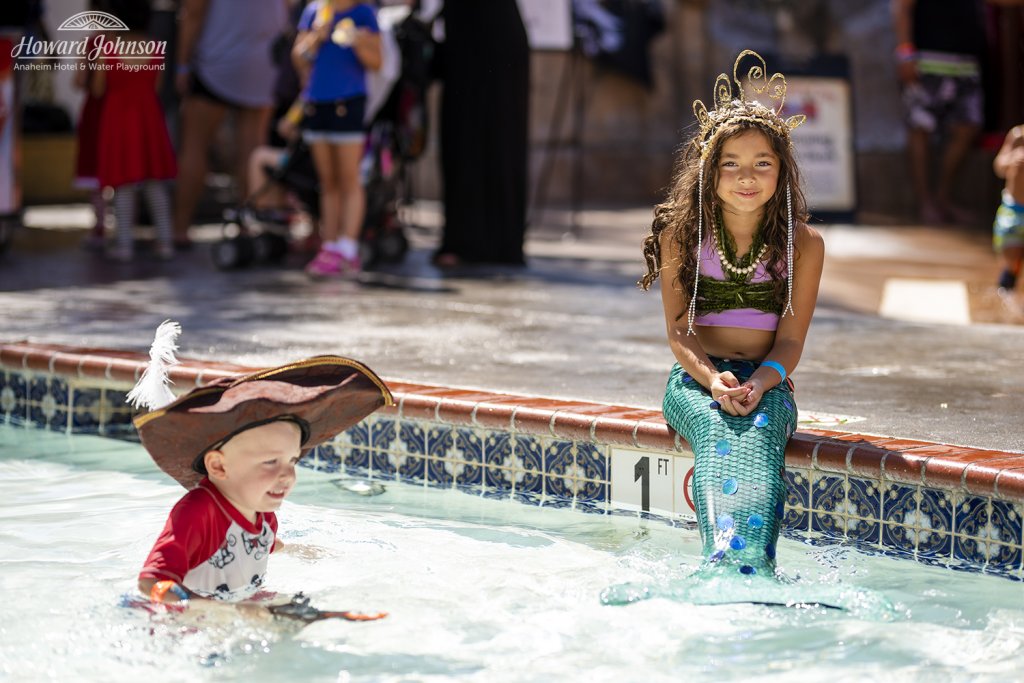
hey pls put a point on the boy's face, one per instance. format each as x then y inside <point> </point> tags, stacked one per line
<point>255,470</point>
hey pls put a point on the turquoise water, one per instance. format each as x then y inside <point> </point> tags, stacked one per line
<point>477,590</point>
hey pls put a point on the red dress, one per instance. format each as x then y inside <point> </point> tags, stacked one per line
<point>133,142</point>
<point>88,135</point>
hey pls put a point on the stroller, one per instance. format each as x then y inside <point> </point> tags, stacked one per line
<point>396,137</point>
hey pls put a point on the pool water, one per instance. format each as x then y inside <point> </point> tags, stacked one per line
<point>477,590</point>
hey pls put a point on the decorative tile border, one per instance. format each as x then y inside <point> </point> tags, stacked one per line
<point>935,503</point>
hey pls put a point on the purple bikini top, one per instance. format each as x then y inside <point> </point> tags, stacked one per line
<point>748,318</point>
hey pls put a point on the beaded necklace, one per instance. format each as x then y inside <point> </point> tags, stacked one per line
<point>738,269</point>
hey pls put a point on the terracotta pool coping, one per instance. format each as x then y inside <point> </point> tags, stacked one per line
<point>970,470</point>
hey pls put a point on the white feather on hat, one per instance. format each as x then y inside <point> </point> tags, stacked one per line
<point>153,389</point>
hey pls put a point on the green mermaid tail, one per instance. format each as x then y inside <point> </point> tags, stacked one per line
<point>739,485</point>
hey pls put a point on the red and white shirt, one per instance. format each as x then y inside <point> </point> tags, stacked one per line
<point>210,548</point>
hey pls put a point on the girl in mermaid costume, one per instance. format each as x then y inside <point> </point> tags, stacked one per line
<point>739,272</point>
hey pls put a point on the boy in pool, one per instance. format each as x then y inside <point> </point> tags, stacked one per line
<point>235,444</point>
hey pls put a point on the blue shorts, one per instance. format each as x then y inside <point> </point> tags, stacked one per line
<point>337,122</point>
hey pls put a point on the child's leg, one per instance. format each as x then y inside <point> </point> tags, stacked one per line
<point>124,213</point>
<point>353,197</point>
<point>1012,259</point>
<point>330,197</point>
<point>99,207</point>
<point>159,202</point>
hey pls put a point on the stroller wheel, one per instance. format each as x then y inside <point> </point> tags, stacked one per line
<point>368,253</point>
<point>269,248</point>
<point>8,225</point>
<point>236,252</point>
<point>391,247</point>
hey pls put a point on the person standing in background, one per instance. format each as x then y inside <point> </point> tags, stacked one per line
<point>338,41</point>
<point>939,48</point>
<point>224,62</point>
<point>484,133</point>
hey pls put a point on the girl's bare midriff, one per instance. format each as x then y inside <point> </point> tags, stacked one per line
<point>735,342</point>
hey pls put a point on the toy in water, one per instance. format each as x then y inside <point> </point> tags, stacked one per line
<point>296,609</point>
<point>299,609</point>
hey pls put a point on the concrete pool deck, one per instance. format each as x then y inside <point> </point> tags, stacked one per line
<point>571,326</point>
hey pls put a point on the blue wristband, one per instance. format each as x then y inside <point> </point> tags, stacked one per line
<point>777,367</point>
<point>179,591</point>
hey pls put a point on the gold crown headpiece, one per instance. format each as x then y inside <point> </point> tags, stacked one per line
<point>727,103</point>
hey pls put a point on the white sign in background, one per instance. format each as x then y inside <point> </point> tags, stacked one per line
<point>655,482</point>
<point>824,143</point>
<point>548,23</point>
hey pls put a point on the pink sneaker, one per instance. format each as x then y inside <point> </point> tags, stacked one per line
<point>332,264</point>
<point>324,264</point>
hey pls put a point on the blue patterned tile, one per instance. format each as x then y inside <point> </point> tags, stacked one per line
<point>382,465</point>
<point>933,524</point>
<point>86,410</point>
<point>562,503</point>
<point>558,459</point>
<point>899,504</point>
<point>383,433</point>
<point>980,536</point>
<point>528,453</point>
<point>798,489</point>
<point>971,518</point>
<point>116,414</point>
<point>1006,517</point>
<point>37,389</point>
<point>325,458</point>
<point>439,473</point>
<point>469,446</point>
<point>863,498</point>
<point>591,491</point>
<point>932,545</point>
<point>828,496</point>
<point>899,537</point>
<point>528,482</point>
<point>412,468</point>
<point>498,449</point>
<point>48,405</point>
<point>591,461</point>
<point>356,460</point>
<point>497,494</point>
<point>862,530</point>
<point>826,523</point>
<point>796,519</point>
<point>828,493</point>
<point>440,441</point>
<point>355,436</point>
<point>468,474</point>
<point>935,511</point>
<point>413,437</point>
<point>498,460</point>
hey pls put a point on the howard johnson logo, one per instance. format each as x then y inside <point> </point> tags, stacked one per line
<point>90,50</point>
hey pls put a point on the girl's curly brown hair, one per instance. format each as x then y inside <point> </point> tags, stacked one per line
<point>678,213</point>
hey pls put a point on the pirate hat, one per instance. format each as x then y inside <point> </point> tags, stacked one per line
<point>324,395</point>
